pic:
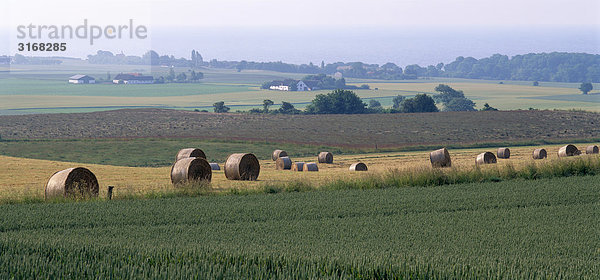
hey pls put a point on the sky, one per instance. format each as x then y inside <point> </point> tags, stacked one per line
<point>377,31</point>
<point>203,13</point>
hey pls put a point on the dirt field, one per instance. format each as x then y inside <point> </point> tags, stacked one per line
<point>383,130</point>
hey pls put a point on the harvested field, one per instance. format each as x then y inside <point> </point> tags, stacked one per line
<point>367,131</point>
<point>130,181</point>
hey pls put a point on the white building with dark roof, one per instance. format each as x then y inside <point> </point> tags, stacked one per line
<point>307,85</point>
<point>82,79</point>
<point>134,78</point>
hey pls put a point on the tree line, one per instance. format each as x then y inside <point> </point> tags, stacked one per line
<point>342,101</point>
<point>549,67</point>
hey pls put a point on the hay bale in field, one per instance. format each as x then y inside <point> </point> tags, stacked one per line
<point>190,153</point>
<point>590,150</point>
<point>359,166</point>
<point>214,166</point>
<point>242,167</point>
<point>440,158</point>
<point>190,169</point>
<point>298,166</point>
<point>485,158</point>
<point>283,163</point>
<point>310,166</point>
<point>278,153</point>
<point>568,151</point>
<point>72,182</point>
<point>325,157</point>
<point>540,154</point>
<point>504,153</point>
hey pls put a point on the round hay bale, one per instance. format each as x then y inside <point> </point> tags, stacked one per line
<point>568,151</point>
<point>283,163</point>
<point>325,157</point>
<point>278,153</point>
<point>359,166</point>
<point>297,166</point>
<point>242,167</point>
<point>310,166</point>
<point>504,153</point>
<point>190,153</point>
<point>214,166</point>
<point>440,158</point>
<point>540,154</point>
<point>72,182</point>
<point>590,150</point>
<point>485,158</point>
<point>190,169</point>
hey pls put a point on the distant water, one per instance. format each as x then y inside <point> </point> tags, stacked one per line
<point>403,46</point>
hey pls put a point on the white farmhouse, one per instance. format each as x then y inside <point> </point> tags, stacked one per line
<point>307,85</point>
<point>81,79</point>
<point>280,87</point>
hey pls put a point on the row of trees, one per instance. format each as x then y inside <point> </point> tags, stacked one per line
<point>182,77</point>
<point>551,67</point>
<point>21,59</point>
<point>149,58</point>
<point>342,101</point>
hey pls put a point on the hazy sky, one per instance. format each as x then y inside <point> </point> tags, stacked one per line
<point>377,31</point>
<point>305,12</point>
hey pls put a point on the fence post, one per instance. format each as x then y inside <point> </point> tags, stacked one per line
<point>110,191</point>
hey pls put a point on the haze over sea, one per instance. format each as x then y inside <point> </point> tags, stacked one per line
<point>400,45</point>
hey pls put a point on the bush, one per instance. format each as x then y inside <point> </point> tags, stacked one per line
<point>338,101</point>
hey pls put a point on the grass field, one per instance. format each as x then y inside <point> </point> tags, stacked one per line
<point>61,88</point>
<point>543,229</point>
<point>144,152</point>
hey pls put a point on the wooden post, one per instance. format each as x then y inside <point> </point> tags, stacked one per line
<point>110,191</point>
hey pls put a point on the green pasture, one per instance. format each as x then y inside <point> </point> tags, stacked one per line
<point>147,152</point>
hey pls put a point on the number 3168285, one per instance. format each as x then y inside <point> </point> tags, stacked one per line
<point>42,47</point>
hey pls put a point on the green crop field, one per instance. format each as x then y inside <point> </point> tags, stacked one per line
<point>543,229</point>
<point>152,152</point>
<point>62,88</point>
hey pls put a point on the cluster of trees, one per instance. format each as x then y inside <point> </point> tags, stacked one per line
<point>586,87</point>
<point>551,67</point>
<point>4,59</point>
<point>341,101</point>
<point>321,81</point>
<point>421,103</point>
<point>453,100</point>
<point>21,59</point>
<point>172,77</point>
<point>149,58</point>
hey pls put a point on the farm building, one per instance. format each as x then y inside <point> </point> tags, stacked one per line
<point>280,87</point>
<point>134,78</point>
<point>81,79</point>
<point>307,85</point>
